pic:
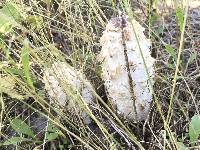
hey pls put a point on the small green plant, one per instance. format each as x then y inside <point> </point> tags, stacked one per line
<point>194,129</point>
<point>21,127</point>
<point>52,132</point>
<point>24,130</point>
<point>26,63</point>
<point>180,17</point>
<point>194,133</point>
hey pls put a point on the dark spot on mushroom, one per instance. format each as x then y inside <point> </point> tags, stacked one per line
<point>142,107</point>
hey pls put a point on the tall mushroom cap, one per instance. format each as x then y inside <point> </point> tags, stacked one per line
<point>60,77</point>
<point>114,69</point>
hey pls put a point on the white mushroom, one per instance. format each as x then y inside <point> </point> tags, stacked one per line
<point>60,82</point>
<point>114,68</point>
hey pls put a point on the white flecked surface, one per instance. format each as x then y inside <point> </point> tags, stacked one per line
<point>60,77</point>
<point>115,73</point>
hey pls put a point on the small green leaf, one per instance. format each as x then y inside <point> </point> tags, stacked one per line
<point>52,132</point>
<point>52,128</point>
<point>154,18</point>
<point>51,136</point>
<point>14,140</point>
<point>192,58</point>
<point>171,66</point>
<point>181,146</point>
<point>180,17</point>
<point>170,50</point>
<point>26,64</point>
<point>194,128</point>
<point>21,127</point>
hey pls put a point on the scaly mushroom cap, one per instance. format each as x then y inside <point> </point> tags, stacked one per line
<point>60,77</point>
<point>114,70</point>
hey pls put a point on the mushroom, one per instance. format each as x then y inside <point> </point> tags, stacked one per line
<point>118,41</point>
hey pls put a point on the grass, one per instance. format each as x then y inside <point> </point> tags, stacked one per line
<point>34,34</point>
